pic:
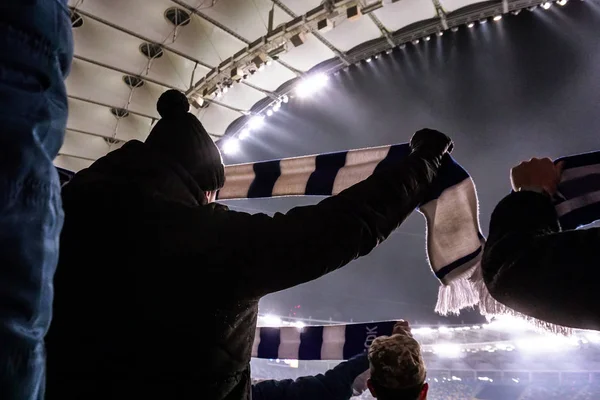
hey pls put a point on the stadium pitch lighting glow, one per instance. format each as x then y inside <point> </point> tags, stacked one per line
<point>245,133</point>
<point>256,121</point>
<point>311,84</point>
<point>231,146</point>
<point>447,350</point>
<point>271,320</point>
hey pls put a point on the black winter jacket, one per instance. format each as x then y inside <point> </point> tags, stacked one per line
<point>532,267</point>
<point>335,384</point>
<point>157,292</point>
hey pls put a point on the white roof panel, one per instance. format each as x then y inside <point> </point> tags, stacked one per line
<point>84,145</point>
<point>271,77</point>
<point>300,7</point>
<point>453,5</point>
<point>350,34</point>
<point>398,15</point>
<point>216,119</point>
<point>71,163</point>
<point>241,96</point>
<point>307,55</point>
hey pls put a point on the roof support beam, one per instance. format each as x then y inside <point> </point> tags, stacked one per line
<point>145,39</point>
<point>139,114</point>
<point>210,20</point>
<point>76,156</point>
<point>159,83</point>
<point>340,54</point>
<point>124,72</point>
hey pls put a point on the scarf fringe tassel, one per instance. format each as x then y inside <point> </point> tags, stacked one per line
<point>469,290</point>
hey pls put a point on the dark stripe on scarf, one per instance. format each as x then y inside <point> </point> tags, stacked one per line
<point>322,179</point>
<point>269,343</point>
<point>583,185</point>
<point>580,217</point>
<point>311,341</point>
<point>360,336</point>
<point>266,174</point>
<point>449,174</point>
<point>396,153</point>
<point>458,263</point>
<point>580,160</point>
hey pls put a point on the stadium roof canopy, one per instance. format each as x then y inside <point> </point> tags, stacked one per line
<point>235,59</point>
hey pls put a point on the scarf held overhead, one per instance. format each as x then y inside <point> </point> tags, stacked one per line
<point>454,240</point>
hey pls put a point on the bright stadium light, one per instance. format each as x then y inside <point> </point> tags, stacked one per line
<point>271,320</point>
<point>443,329</point>
<point>256,122</point>
<point>269,113</point>
<point>508,323</point>
<point>562,2</point>
<point>245,133</point>
<point>311,84</point>
<point>231,146</point>
<point>447,350</point>
<point>497,18</point>
<point>546,5</point>
<point>547,344</point>
<point>422,331</point>
<point>277,106</point>
<point>470,25</point>
<point>299,324</point>
<point>592,337</point>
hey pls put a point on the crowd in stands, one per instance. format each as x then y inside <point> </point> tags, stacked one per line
<point>491,391</point>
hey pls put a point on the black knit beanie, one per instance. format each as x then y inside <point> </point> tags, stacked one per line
<point>180,136</point>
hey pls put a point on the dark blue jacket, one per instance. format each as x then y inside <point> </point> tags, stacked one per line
<point>36,43</point>
<point>335,384</point>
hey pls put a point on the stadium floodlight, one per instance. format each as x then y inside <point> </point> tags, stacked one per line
<point>277,106</point>
<point>562,2</point>
<point>547,344</point>
<point>447,350</point>
<point>509,323</point>
<point>546,5</point>
<point>592,337</point>
<point>497,18</point>
<point>422,331</point>
<point>231,146</point>
<point>256,121</point>
<point>299,324</point>
<point>244,134</point>
<point>271,320</point>
<point>311,84</point>
<point>443,329</point>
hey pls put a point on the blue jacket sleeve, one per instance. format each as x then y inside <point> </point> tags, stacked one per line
<point>335,384</point>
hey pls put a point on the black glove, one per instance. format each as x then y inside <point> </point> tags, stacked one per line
<point>429,142</point>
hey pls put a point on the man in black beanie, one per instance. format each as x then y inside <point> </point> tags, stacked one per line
<point>157,286</point>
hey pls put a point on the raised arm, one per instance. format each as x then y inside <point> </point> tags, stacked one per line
<point>308,242</point>
<point>531,266</point>
<point>335,384</point>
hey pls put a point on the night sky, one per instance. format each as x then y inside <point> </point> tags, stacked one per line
<point>526,86</point>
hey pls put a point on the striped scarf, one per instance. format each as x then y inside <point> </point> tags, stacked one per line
<point>454,240</point>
